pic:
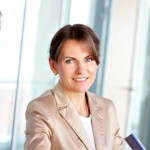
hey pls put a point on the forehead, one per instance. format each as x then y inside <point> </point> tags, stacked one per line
<point>74,47</point>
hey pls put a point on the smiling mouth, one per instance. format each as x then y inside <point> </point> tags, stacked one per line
<point>80,79</point>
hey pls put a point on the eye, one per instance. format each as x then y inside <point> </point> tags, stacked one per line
<point>70,61</point>
<point>88,59</point>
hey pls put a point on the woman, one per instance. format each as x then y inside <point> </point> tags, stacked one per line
<point>69,117</point>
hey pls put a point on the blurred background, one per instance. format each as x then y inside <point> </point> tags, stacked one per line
<point>26,29</point>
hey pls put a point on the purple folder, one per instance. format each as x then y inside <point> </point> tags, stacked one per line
<point>134,143</point>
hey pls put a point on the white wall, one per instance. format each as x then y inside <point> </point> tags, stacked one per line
<point>120,57</point>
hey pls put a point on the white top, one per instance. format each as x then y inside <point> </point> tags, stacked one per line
<point>88,127</point>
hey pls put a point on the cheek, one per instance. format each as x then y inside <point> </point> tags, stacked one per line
<point>64,71</point>
<point>93,69</point>
<point>94,74</point>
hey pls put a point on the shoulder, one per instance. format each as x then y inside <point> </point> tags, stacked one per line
<point>104,104</point>
<point>100,101</point>
<point>42,104</point>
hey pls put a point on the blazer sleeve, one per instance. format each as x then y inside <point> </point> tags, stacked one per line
<point>118,141</point>
<point>38,132</point>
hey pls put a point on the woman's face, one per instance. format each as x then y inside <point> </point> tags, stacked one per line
<point>76,67</point>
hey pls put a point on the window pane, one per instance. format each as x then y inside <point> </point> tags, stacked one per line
<point>10,35</point>
<point>35,77</point>
<point>80,11</point>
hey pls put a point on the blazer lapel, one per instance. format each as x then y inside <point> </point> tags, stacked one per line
<point>69,113</point>
<point>97,121</point>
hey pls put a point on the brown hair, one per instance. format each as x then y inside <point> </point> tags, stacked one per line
<point>79,32</point>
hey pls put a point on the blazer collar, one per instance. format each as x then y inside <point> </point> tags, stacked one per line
<point>69,113</point>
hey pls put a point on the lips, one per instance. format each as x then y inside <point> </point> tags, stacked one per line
<point>80,79</point>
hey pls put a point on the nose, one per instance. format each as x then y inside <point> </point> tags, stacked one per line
<point>80,68</point>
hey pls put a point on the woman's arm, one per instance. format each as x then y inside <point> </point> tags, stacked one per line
<point>38,132</point>
<point>118,141</point>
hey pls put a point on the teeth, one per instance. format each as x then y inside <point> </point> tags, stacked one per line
<point>80,79</point>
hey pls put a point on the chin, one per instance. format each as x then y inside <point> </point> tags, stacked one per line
<point>82,90</point>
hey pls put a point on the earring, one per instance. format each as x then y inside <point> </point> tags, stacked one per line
<point>55,73</point>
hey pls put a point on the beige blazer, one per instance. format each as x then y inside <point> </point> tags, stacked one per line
<point>52,123</point>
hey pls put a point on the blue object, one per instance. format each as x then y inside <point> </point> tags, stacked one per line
<point>134,143</point>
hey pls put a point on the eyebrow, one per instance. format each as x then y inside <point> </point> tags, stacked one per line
<point>68,57</point>
<point>75,58</point>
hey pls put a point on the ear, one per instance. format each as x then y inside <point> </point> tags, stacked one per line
<point>52,64</point>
